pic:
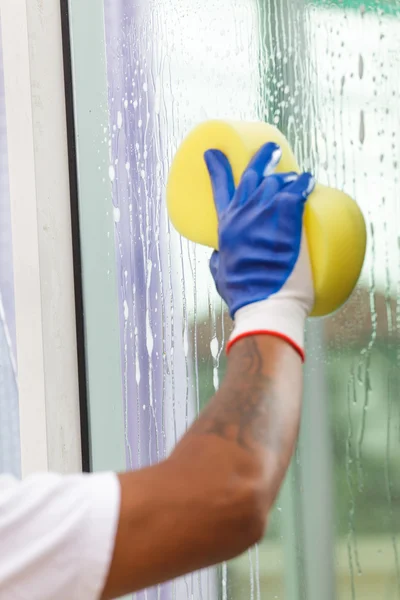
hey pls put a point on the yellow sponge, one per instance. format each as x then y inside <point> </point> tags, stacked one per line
<point>334,224</point>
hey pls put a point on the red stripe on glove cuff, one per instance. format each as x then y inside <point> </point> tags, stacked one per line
<point>281,336</point>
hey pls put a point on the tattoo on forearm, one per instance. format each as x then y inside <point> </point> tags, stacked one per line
<point>246,411</point>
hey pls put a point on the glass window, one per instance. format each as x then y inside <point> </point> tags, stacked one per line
<point>9,419</point>
<point>353,67</point>
<point>326,74</point>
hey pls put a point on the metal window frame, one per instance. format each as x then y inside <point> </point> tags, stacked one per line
<point>89,107</point>
<point>50,416</point>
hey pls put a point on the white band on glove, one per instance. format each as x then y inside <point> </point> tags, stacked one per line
<point>277,317</point>
<point>283,314</point>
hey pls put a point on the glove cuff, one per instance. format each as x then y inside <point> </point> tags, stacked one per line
<point>281,318</point>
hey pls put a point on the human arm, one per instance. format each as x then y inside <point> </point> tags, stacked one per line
<point>206,503</point>
<point>209,501</point>
<point>216,489</point>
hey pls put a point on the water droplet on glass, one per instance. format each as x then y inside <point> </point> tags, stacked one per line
<point>360,66</point>
<point>214,347</point>
<point>126,310</point>
<point>361,134</point>
<point>117,214</point>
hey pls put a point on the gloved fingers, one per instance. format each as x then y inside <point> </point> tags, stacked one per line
<point>214,263</point>
<point>302,187</point>
<point>221,176</point>
<point>265,161</point>
<point>273,184</point>
<point>246,188</point>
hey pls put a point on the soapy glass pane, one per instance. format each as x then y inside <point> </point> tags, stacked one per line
<point>316,70</point>
<point>9,417</point>
<point>353,61</point>
<point>170,66</point>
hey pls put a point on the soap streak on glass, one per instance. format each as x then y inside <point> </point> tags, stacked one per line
<point>155,97</point>
<point>351,541</point>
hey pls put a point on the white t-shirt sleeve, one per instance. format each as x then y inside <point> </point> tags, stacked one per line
<point>57,535</point>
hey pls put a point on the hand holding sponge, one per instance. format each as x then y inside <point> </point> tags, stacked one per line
<point>247,195</point>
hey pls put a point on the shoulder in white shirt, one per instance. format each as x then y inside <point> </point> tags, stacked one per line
<point>57,535</point>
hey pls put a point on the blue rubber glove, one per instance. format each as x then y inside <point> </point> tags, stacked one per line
<point>262,269</point>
